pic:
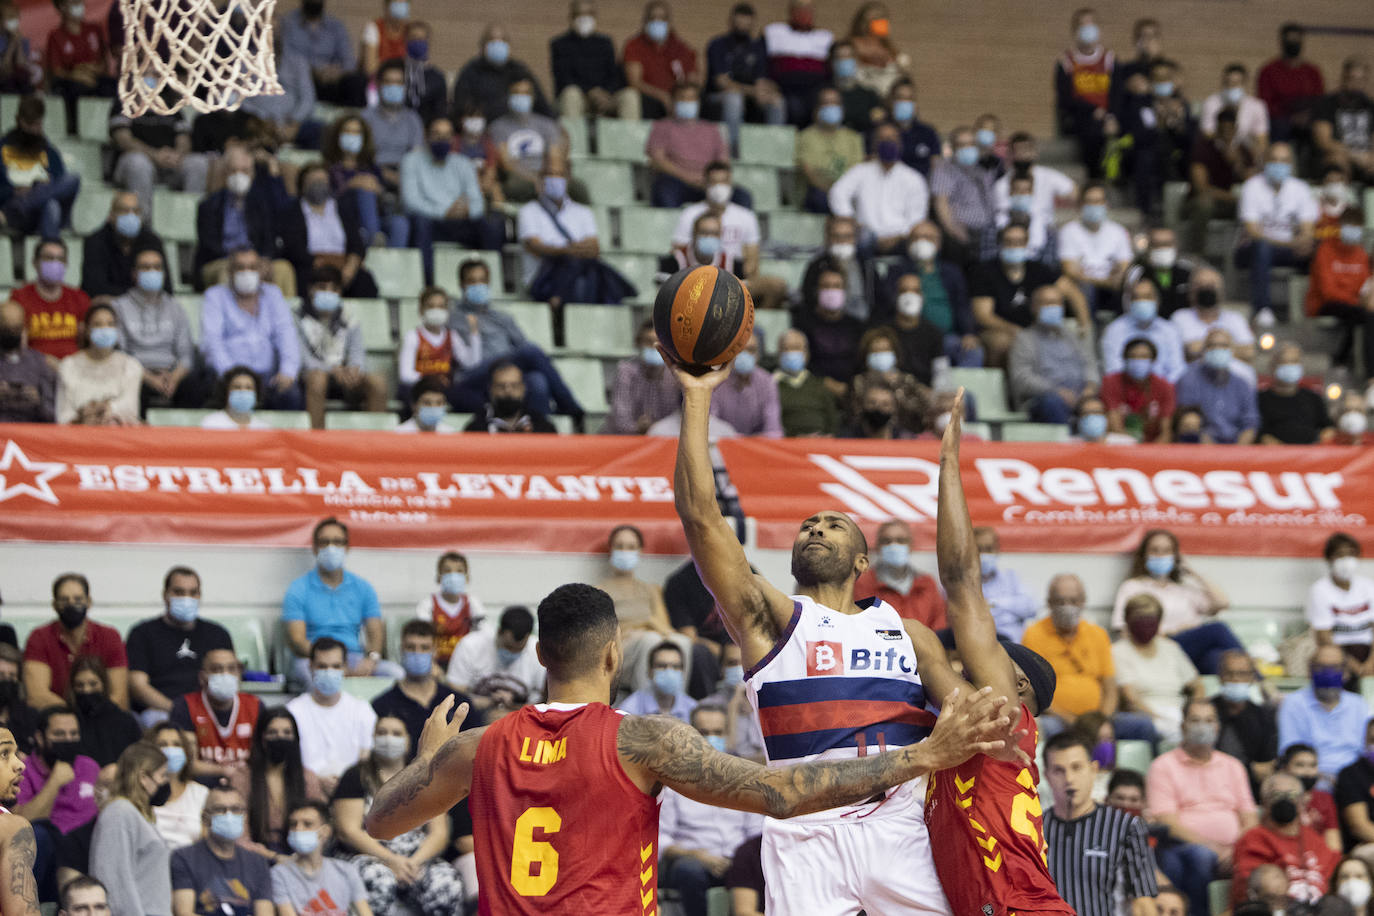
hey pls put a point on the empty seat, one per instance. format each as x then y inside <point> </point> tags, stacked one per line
<point>790,227</point>
<point>587,381</point>
<point>647,229</point>
<point>249,643</point>
<point>762,182</point>
<point>7,278</point>
<point>398,271</point>
<point>84,159</point>
<point>790,269</point>
<point>639,269</point>
<point>360,420</point>
<point>174,214</point>
<point>534,318</point>
<point>375,317</point>
<point>93,119</point>
<point>448,258</point>
<point>578,135</point>
<point>192,303</point>
<point>606,330</point>
<point>1032,432</point>
<point>608,183</point>
<point>617,139</point>
<point>92,208</point>
<point>770,323</point>
<point>989,388</point>
<point>767,144</point>
<point>176,416</point>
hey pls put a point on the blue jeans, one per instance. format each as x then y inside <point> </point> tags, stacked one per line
<point>44,210</point>
<point>370,216</point>
<point>1205,643</point>
<point>1190,868</point>
<point>289,399</point>
<point>487,232</point>
<point>691,880</point>
<point>1049,407</point>
<point>1261,257</point>
<point>545,390</point>
<point>958,356</point>
<point>733,107</point>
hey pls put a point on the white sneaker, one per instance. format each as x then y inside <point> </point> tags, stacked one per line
<point>1265,318</point>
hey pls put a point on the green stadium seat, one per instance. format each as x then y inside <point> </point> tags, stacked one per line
<point>74,256</point>
<point>647,229</point>
<point>767,144</point>
<point>989,388</point>
<point>176,416</point>
<point>297,157</point>
<point>791,227</point>
<point>790,269</point>
<point>380,421</point>
<point>192,303</point>
<point>617,139</point>
<point>534,318</point>
<point>448,258</point>
<point>639,269</point>
<point>762,182</point>
<point>54,118</point>
<point>718,902</point>
<point>1033,432</point>
<point>1133,755</point>
<point>367,688</point>
<point>7,278</point>
<point>285,419</point>
<point>610,184</point>
<point>174,214</point>
<point>92,208</point>
<point>585,378</point>
<point>249,644</point>
<point>375,317</point>
<point>771,323</point>
<point>83,158</point>
<point>602,330</point>
<point>398,271</point>
<point>1219,897</point>
<point>9,105</point>
<point>578,135</point>
<point>93,119</point>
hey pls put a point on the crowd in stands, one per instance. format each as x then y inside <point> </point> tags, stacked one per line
<point>949,249</point>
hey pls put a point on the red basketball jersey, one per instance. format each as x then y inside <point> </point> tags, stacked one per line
<point>990,846</point>
<point>449,629</point>
<point>1091,75</point>
<point>557,824</point>
<point>435,359</point>
<point>224,744</point>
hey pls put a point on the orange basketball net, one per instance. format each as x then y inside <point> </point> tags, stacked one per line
<point>209,54</point>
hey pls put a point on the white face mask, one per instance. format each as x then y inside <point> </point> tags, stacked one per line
<point>923,250</point>
<point>719,194</point>
<point>1163,258</point>
<point>1344,568</point>
<point>584,25</point>
<point>909,304</point>
<point>435,319</point>
<point>474,125</point>
<point>238,183</point>
<point>12,26</point>
<point>1353,423</point>
<point>246,282</point>
<point>844,251</point>
<point>1356,892</point>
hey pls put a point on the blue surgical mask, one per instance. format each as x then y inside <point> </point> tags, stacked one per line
<point>506,657</point>
<point>966,155</point>
<point>732,675</point>
<point>520,102</point>
<point>1088,33</point>
<point>986,137</point>
<point>243,400</point>
<point>902,109</point>
<point>650,356</point>
<point>708,246</point>
<point>624,560</point>
<point>895,555</point>
<point>845,68</point>
<point>1278,172</point>
<point>497,51</point>
<point>1138,368</point>
<point>1092,425</point>
<point>1094,214</point>
<point>1235,693</point>
<point>882,361</point>
<point>555,187</point>
<point>351,143</point>
<point>656,30</point>
<point>1144,310</point>
<point>150,281</point>
<point>128,224</point>
<point>477,293</point>
<point>331,557</point>
<point>417,664</point>
<point>183,607</point>
<point>104,338</point>
<point>1161,566</point>
<point>1052,315</point>
<point>1022,203</point>
<point>1163,89</point>
<point>717,742</point>
<point>1218,358</point>
<point>325,300</point>
<point>454,583</point>
<point>1352,235</point>
<point>987,564</point>
<point>327,681</point>
<point>399,9</point>
<point>686,109</point>
<point>1014,255</point>
<point>792,361</point>
<point>746,362</point>
<point>303,841</point>
<point>431,415</point>
<point>830,114</point>
<point>222,686</point>
<point>1233,94</point>
<point>176,759</point>
<point>1289,373</point>
<point>391,94</point>
<point>227,825</point>
<point>668,681</point>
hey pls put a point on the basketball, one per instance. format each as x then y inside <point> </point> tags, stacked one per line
<point>703,316</point>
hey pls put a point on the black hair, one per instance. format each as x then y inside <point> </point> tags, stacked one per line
<point>665,646</point>
<point>426,384</point>
<point>517,621</point>
<point>79,883</point>
<point>1067,739</point>
<point>325,523</point>
<point>742,9</point>
<point>1125,779</point>
<point>313,804</point>
<point>326,273</point>
<point>418,627</point>
<point>220,397</point>
<point>1235,66</point>
<point>71,577</point>
<point>293,775</point>
<point>50,240</point>
<point>452,555</point>
<point>1338,540</point>
<point>1002,233</point>
<point>179,571</point>
<point>48,713</point>
<point>1226,115</point>
<point>502,365</point>
<point>1138,341</point>
<point>717,165</point>
<point>576,622</point>
<point>394,63</point>
<point>639,535</point>
<point>327,644</point>
<point>1292,751</point>
<point>469,266</point>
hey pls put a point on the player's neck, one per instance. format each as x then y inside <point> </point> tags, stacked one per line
<point>836,596</point>
<point>582,690</point>
<point>1072,812</point>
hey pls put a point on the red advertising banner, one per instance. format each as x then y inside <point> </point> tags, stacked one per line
<point>1253,501</point>
<point>145,485</point>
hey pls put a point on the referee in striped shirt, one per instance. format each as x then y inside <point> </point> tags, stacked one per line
<point>1098,854</point>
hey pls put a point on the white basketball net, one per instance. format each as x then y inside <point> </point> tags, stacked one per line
<point>209,54</point>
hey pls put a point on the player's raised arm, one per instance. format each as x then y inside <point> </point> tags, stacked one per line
<point>755,612</point>
<point>664,750</point>
<point>986,663</point>
<point>437,779</point>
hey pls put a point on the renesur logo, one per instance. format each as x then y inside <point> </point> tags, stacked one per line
<point>879,487</point>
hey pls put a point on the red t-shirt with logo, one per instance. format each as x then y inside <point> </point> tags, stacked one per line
<point>1145,406</point>
<point>664,65</point>
<point>66,50</point>
<point>53,326</point>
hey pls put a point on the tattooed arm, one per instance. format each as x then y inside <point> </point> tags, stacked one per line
<point>19,893</point>
<point>658,750</point>
<point>437,779</point>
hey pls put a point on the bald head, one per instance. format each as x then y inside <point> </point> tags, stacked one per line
<point>1066,589</point>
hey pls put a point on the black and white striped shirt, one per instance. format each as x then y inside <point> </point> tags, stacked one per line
<point>1100,858</point>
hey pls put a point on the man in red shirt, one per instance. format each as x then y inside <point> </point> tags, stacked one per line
<point>54,313</point>
<point>915,595</point>
<point>656,60</point>
<point>1282,839</point>
<point>1138,401</point>
<point>1340,285</point>
<point>51,649</point>
<point>78,60</point>
<point>1287,82</point>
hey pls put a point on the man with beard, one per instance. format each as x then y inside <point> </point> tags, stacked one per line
<point>18,890</point>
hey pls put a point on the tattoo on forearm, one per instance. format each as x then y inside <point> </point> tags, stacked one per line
<point>403,788</point>
<point>678,756</point>
<point>22,886</point>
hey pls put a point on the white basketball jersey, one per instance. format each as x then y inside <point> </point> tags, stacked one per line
<point>838,686</point>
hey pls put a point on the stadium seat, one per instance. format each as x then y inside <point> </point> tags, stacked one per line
<point>767,144</point>
<point>1033,432</point>
<point>639,269</point>
<point>399,272</point>
<point>790,269</point>
<point>367,688</point>
<point>603,226</point>
<point>647,229</point>
<point>718,902</point>
<point>617,139</point>
<point>762,182</point>
<point>174,214</point>
<point>587,381</point>
<point>989,387</point>
<point>249,644</point>
<point>770,323</point>
<point>600,330</point>
<point>1369,209</point>
<point>92,208</point>
<point>9,104</point>
<point>74,256</point>
<point>176,416</point>
<point>578,135</point>
<point>791,227</point>
<point>1133,755</point>
<point>7,278</point>
<point>1175,193</point>
<point>84,158</point>
<point>375,317</point>
<point>297,157</point>
<point>93,119</point>
<point>54,119</point>
<point>448,258</point>
<point>285,419</point>
<point>192,303</point>
<point>380,421</point>
<point>1219,897</point>
<point>609,183</point>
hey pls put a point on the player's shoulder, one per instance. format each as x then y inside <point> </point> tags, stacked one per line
<point>14,825</point>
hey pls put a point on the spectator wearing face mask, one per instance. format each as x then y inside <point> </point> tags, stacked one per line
<point>1341,122</point>
<point>739,235</point>
<point>453,611</point>
<point>1218,162</point>
<point>639,606</point>
<point>893,578</point>
<point>832,335</point>
<point>432,348</point>
<point>524,139</point>
<point>963,199</point>
<point>178,818</point>
<point>841,252</point>
<point>414,697</point>
<point>884,195</point>
<point>1001,289</point>
<point>797,55</point>
<point>221,717</point>
<point>1280,838</point>
<point>426,85</point>
<point>333,356</point>
<point>1156,122</point>
<point>920,141</point>
<point>1340,605</point>
<point>1090,424</point>
<point>1249,730</point>
<point>921,342</point>
<point>586,78</point>
<point>666,693</point>
<point>877,416</point>
<point>1047,189</point>
<point>1277,211</point>
<point>335,726</point>
<point>274,775</point>
<point>384,38</point>
<point>1318,808</point>
<point>1324,715</point>
<point>1354,792</point>
<point>487,79</point>
<point>1204,312</point>
<point>1288,83</point>
<point>243,215</point>
<point>127,854</point>
<point>1010,603</point>
<point>879,348</point>
<point>1096,250</point>
<point>36,190</point>
<point>237,395</point>
<point>323,43</point>
<point>216,875</point>
<point>1352,880</point>
<point>1152,670</point>
<point>1049,368</point>
<point>1252,117</point>
<point>825,150</point>
<point>749,400</point>
<point>155,330</point>
<point>1227,397</point>
<point>48,658</point>
<point>1085,81</point>
<point>657,61</point>
<point>54,313</point>
<point>807,407</point>
<point>1334,196</point>
<point>28,384</point>
<point>155,148</point>
<point>19,70</point>
<point>862,105</point>
<point>644,392</point>
<point>1019,208</point>
<point>1340,285</point>
<point>1352,421</point>
<point>246,322</point>
<point>442,197</point>
<point>1171,274</point>
<point>57,794</point>
<point>320,231</point>
<point>737,80</point>
<point>99,385</point>
<point>681,148</point>
<point>308,881</point>
<point>1139,402</point>
<point>1291,414</point>
<point>499,666</point>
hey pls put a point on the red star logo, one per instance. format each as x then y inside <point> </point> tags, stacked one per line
<point>39,473</point>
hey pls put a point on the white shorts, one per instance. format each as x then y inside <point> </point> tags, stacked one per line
<point>881,865</point>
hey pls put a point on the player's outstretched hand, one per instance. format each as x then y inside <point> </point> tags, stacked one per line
<point>439,729</point>
<point>954,429</point>
<point>970,723</point>
<point>688,379</point>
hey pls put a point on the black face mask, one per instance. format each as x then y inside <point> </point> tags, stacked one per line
<point>876,419</point>
<point>312,8</point>
<point>1190,438</point>
<point>1292,48</point>
<point>507,407</point>
<point>1206,298</point>
<point>1021,168</point>
<point>277,749</point>
<point>9,691</point>
<point>1283,811</point>
<point>159,798</point>
<point>64,751</point>
<point>88,704</point>
<point>10,340</point>
<point>1308,783</point>
<point>72,615</point>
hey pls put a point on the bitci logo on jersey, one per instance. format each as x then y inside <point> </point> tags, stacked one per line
<point>824,657</point>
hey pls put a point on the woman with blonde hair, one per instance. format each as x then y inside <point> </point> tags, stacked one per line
<point>178,821</point>
<point>128,855</point>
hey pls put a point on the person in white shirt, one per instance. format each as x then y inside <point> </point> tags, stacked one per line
<point>241,387</point>
<point>1090,424</point>
<point>501,668</point>
<point>432,347</point>
<point>885,195</point>
<point>1204,313</point>
<point>1340,605</point>
<point>539,221</point>
<point>335,727</point>
<point>1048,186</point>
<point>1277,214</point>
<point>1152,671</point>
<point>1095,251</point>
<point>1252,115</point>
<point>453,609</point>
<point>99,385</point>
<point>695,840</point>
<point>429,407</point>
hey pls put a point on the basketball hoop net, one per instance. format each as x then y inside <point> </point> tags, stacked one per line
<point>209,54</point>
